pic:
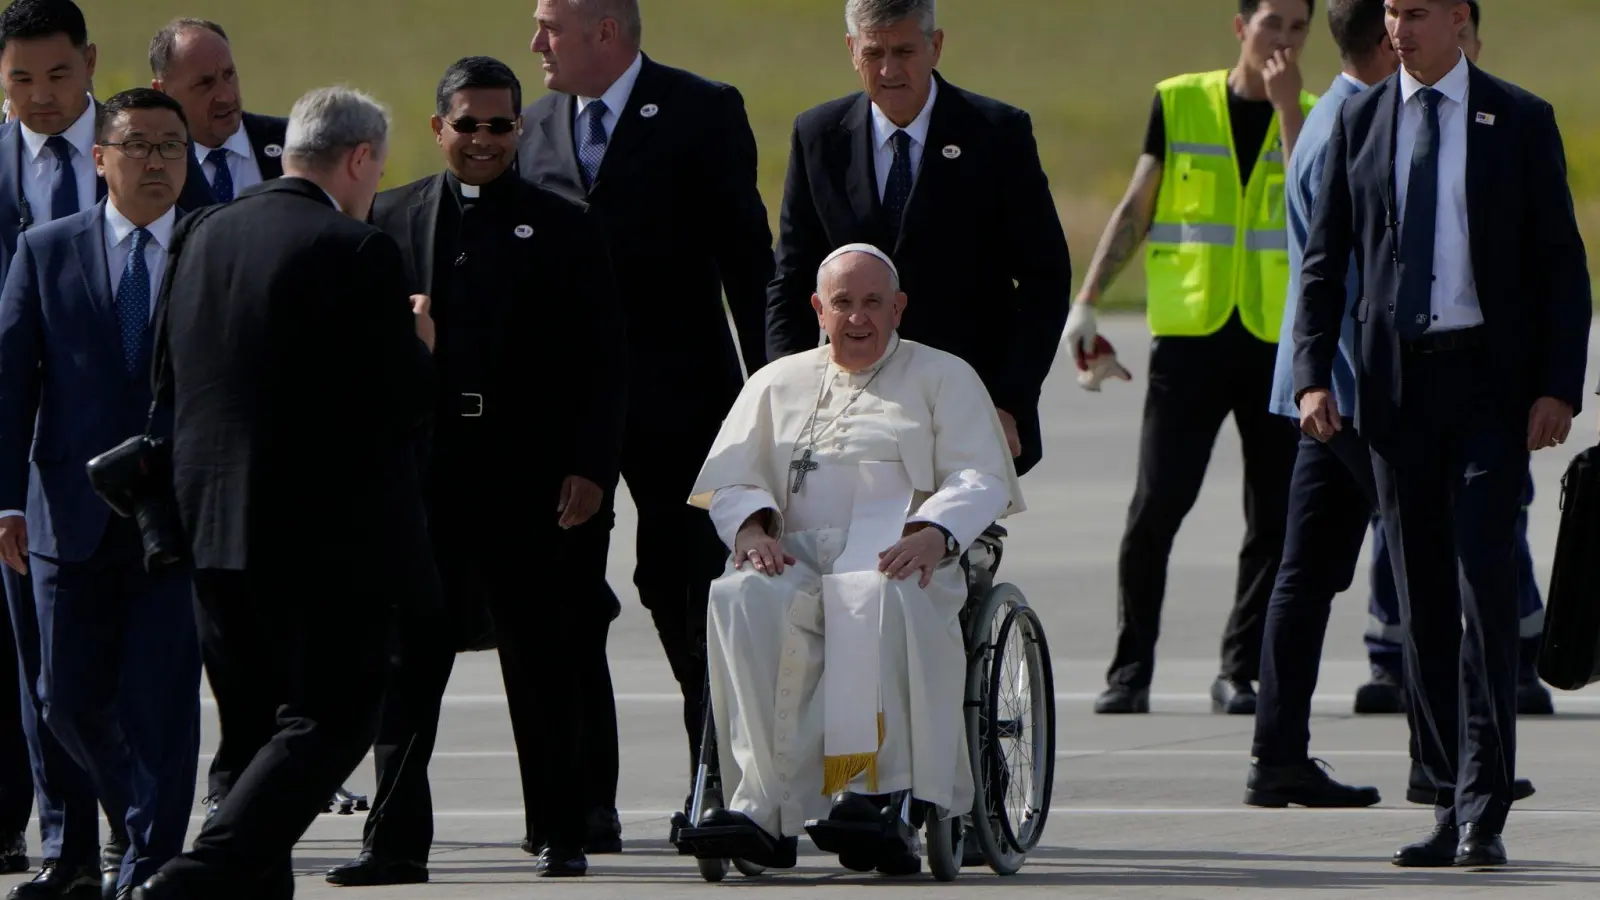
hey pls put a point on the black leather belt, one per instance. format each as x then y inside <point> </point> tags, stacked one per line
<point>467,406</point>
<point>1445,341</point>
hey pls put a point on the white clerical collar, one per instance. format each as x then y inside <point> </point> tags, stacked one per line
<point>470,191</point>
<point>883,129</point>
<point>1452,85</point>
<point>238,144</point>
<point>80,134</point>
<point>616,96</point>
<point>120,226</point>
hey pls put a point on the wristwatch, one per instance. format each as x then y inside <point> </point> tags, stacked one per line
<point>950,545</point>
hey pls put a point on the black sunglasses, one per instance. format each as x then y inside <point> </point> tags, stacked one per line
<point>496,125</point>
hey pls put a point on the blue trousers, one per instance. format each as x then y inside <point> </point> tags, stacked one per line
<point>69,820</point>
<point>1383,604</point>
<point>120,681</point>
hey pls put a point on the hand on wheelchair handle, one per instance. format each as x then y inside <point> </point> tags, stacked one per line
<point>753,546</point>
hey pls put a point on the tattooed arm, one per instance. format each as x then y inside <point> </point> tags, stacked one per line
<point>1126,231</point>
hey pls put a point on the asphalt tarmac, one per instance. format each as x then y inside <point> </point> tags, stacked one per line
<point>1144,806</point>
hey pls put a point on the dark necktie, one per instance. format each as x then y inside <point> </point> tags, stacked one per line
<point>63,181</point>
<point>592,144</point>
<point>1415,302</point>
<point>898,189</point>
<point>221,179</point>
<point>133,301</point>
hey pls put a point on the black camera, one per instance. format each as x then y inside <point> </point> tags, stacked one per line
<point>134,478</point>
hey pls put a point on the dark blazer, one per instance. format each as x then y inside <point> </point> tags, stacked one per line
<point>982,255</point>
<point>566,293</point>
<point>15,216</point>
<point>677,199</point>
<point>1528,258</point>
<point>65,396</point>
<point>264,132</point>
<point>297,383</point>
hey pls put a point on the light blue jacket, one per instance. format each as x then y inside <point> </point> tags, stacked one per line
<point>1304,179</point>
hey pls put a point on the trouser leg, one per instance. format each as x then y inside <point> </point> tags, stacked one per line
<point>16,776</point>
<point>400,825</point>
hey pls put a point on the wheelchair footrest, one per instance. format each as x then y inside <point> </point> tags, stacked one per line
<point>727,842</point>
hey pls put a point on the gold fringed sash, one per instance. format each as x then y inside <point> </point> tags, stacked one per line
<point>839,771</point>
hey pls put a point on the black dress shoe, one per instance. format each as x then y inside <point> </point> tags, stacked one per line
<point>111,856</point>
<point>1533,698</point>
<point>1236,698</point>
<point>1382,696</point>
<point>605,832</point>
<point>14,855</point>
<point>371,871</point>
<point>557,862</point>
<point>1302,784</point>
<point>1436,851</point>
<point>55,881</point>
<point>1480,847</point>
<point>158,887</point>
<point>1420,790</point>
<point>1123,700</point>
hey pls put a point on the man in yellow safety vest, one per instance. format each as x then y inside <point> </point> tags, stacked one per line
<point>1207,200</point>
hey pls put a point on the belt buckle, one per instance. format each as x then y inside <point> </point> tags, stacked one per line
<point>477,413</point>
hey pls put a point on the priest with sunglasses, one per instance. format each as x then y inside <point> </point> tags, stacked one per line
<point>510,269</point>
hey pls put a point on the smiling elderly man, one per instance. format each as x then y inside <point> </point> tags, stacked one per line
<point>847,480</point>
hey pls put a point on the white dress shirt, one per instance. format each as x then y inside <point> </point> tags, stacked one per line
<point>119,247</point>
<point>40,164</point>
<point>883,130</point>
<point>1455,291</point>
<point>242,164</point>
<point>616,100</point>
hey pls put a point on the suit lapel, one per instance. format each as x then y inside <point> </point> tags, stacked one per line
<point>422,221</point>
<point>1385,133</point>
<point>861,176</point>
<point>633,127</point>
<point>1482,99</point>
<point>11,184</point>
<point>271,166</point>
<point>89,244</point>
<point>943,129</point>
<point>557,129</point>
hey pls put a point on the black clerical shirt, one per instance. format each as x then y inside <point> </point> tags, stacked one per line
<point>474,258</point>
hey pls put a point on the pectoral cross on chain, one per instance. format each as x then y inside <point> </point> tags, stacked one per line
<point>801,467</point>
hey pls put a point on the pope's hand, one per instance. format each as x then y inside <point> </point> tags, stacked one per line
<point>420,304</point>
<point>921,551</point>
<point>754,546</point>
<point>1081,331</point>
<point>1013,438</point>
<point>580,500</point>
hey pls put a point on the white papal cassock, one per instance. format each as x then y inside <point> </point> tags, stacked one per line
<point>831,658</point>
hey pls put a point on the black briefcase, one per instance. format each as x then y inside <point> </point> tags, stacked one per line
<point>1569,656</point>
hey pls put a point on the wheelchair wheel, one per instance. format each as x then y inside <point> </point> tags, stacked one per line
<point>749,869</point>
<point>713,870</point>
<point>945,847</point>
<point>1010,728</point>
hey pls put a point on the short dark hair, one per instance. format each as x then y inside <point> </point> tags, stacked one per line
<point>131,99</point>
<point>478,72</point>
<point>1358,28</point>
<point>1477,13</point>
<point>166,40</point>
<point>1247,8</point>
<point>26,20</point>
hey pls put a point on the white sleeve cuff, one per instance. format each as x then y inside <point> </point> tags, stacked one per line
<point>968,502</point>
<point>8,513</point>
<point>732,506</point>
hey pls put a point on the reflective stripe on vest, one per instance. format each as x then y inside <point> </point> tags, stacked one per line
<point>1214,247</point>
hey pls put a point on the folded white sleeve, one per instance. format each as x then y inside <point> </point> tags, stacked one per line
<point>732,506</point>
<point>968,502</point>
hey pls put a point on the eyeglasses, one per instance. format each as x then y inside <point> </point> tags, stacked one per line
<point>496,125</point>
<point>141,149</point>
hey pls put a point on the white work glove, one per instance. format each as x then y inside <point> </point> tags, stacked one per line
<point>1081,332</point>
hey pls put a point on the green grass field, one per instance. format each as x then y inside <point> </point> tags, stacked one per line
<point>1083,68</point>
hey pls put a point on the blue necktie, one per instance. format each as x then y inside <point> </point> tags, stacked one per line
<point>592,145</point>
<point>1415,301</point>
<point>222,179</point>
<point>898,189</point>
<point>133,301</point>
<point>63,181</point>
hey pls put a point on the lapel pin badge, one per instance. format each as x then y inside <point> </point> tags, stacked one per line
<point>1484,118</point>
<point>273,150</point>
<point>523,231</point>
<point>649,110</point>
<point>951,151</point>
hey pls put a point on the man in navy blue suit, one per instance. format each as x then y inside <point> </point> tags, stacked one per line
<point>1450,187</point>
<point>121,658</point>
<point>46,172</point>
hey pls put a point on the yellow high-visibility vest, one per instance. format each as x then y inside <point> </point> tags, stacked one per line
<point>1213,246</point>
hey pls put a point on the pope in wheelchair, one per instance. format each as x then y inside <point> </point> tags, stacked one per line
<point>847,481</point>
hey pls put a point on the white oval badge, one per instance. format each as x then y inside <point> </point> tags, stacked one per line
<point>272,150</point>
<point>523,231</point>
<point>951,151</point>
<point>649,110</point>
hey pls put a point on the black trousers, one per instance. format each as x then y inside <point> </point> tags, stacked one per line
<point>1194,384</point>
<point>304,714</point>
<point>16,775</point>
<point>1331,498</point>
<point>1450,483</point>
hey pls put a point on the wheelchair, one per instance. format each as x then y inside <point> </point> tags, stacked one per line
<point>1009,706</point>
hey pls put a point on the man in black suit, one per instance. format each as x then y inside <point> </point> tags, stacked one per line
<point>950,183</point>
<point>666,163</point>
<point>500,258</point>
<point>234,150</point>
<point>295,408</point>
<point>1450,187</point>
